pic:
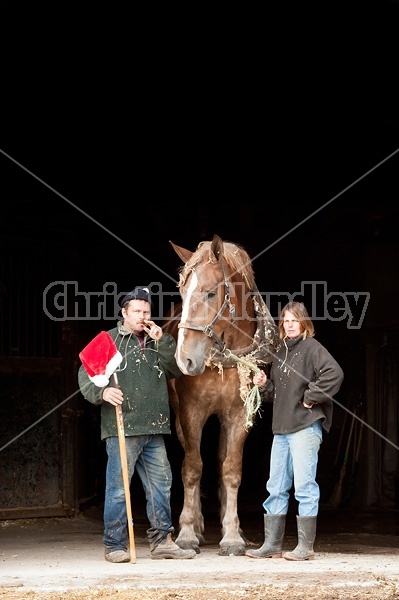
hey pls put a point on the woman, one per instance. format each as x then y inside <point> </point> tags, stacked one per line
<point>303,379</point>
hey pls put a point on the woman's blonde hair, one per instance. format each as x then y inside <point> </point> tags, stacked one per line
<point>299,311</point>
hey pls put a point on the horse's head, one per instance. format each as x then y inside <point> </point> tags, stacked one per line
<point>215,285</point>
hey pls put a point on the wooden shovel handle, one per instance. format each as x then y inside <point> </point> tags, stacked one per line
<point>125,473</point>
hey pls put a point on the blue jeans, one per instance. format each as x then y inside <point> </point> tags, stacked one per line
<point>147,454</point>
<point>293,460</point>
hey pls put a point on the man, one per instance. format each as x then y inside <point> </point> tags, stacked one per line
<point>148,360</point>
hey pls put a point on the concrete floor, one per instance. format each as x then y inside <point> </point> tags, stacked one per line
<point>61,554</point>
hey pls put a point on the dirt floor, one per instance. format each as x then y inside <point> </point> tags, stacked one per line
<point>357,556</point>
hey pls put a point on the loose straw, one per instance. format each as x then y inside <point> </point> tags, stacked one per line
<point>253,400</point>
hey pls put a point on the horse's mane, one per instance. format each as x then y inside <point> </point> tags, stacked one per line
<point>235,256</point>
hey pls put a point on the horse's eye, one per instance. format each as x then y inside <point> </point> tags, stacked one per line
<point>211,295</point>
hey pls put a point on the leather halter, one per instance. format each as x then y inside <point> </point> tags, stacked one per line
<point>208,329</point>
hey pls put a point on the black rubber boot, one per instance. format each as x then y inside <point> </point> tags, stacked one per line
<point>274,534</point>
<point>306,536</point>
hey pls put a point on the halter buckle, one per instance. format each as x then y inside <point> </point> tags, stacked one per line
<point>208,330</point>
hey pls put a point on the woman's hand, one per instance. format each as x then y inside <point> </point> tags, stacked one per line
<point>260,379</point>
<point>310,405</point>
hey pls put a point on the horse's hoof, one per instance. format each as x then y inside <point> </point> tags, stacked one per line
<point>232,550</point>
<point>188,546</point>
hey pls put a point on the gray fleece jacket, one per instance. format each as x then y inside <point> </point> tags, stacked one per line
<point>302,371</point>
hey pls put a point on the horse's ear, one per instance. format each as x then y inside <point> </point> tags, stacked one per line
<point>216,248</point>
<point>184,254</point>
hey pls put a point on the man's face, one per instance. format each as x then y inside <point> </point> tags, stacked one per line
<point>135,314</point>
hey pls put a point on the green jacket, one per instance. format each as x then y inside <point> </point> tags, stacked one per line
<point>143,382</point>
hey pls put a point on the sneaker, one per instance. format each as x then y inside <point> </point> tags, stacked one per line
<point>168,549</point>
<point>117,556</point>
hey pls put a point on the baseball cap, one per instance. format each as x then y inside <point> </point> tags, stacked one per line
<point>139,293</point>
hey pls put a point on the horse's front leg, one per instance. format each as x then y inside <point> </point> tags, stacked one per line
<point>191,520</point>
<point>232,440</point>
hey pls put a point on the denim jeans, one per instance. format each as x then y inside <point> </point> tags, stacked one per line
<point>293,460</point>
<point>146,454</point>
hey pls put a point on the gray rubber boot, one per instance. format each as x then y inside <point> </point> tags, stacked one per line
<point>274,534</point>
<point>306,536</point>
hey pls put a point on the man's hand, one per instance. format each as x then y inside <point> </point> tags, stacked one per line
<point>153,330</point>
<point>113,395</point>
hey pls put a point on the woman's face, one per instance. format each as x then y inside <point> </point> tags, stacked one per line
<point>292,326</point>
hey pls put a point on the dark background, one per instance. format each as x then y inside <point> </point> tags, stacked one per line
<point>124,130</point>
<point>240,124</point>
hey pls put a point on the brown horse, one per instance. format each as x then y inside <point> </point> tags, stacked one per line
<point>222,317</point>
